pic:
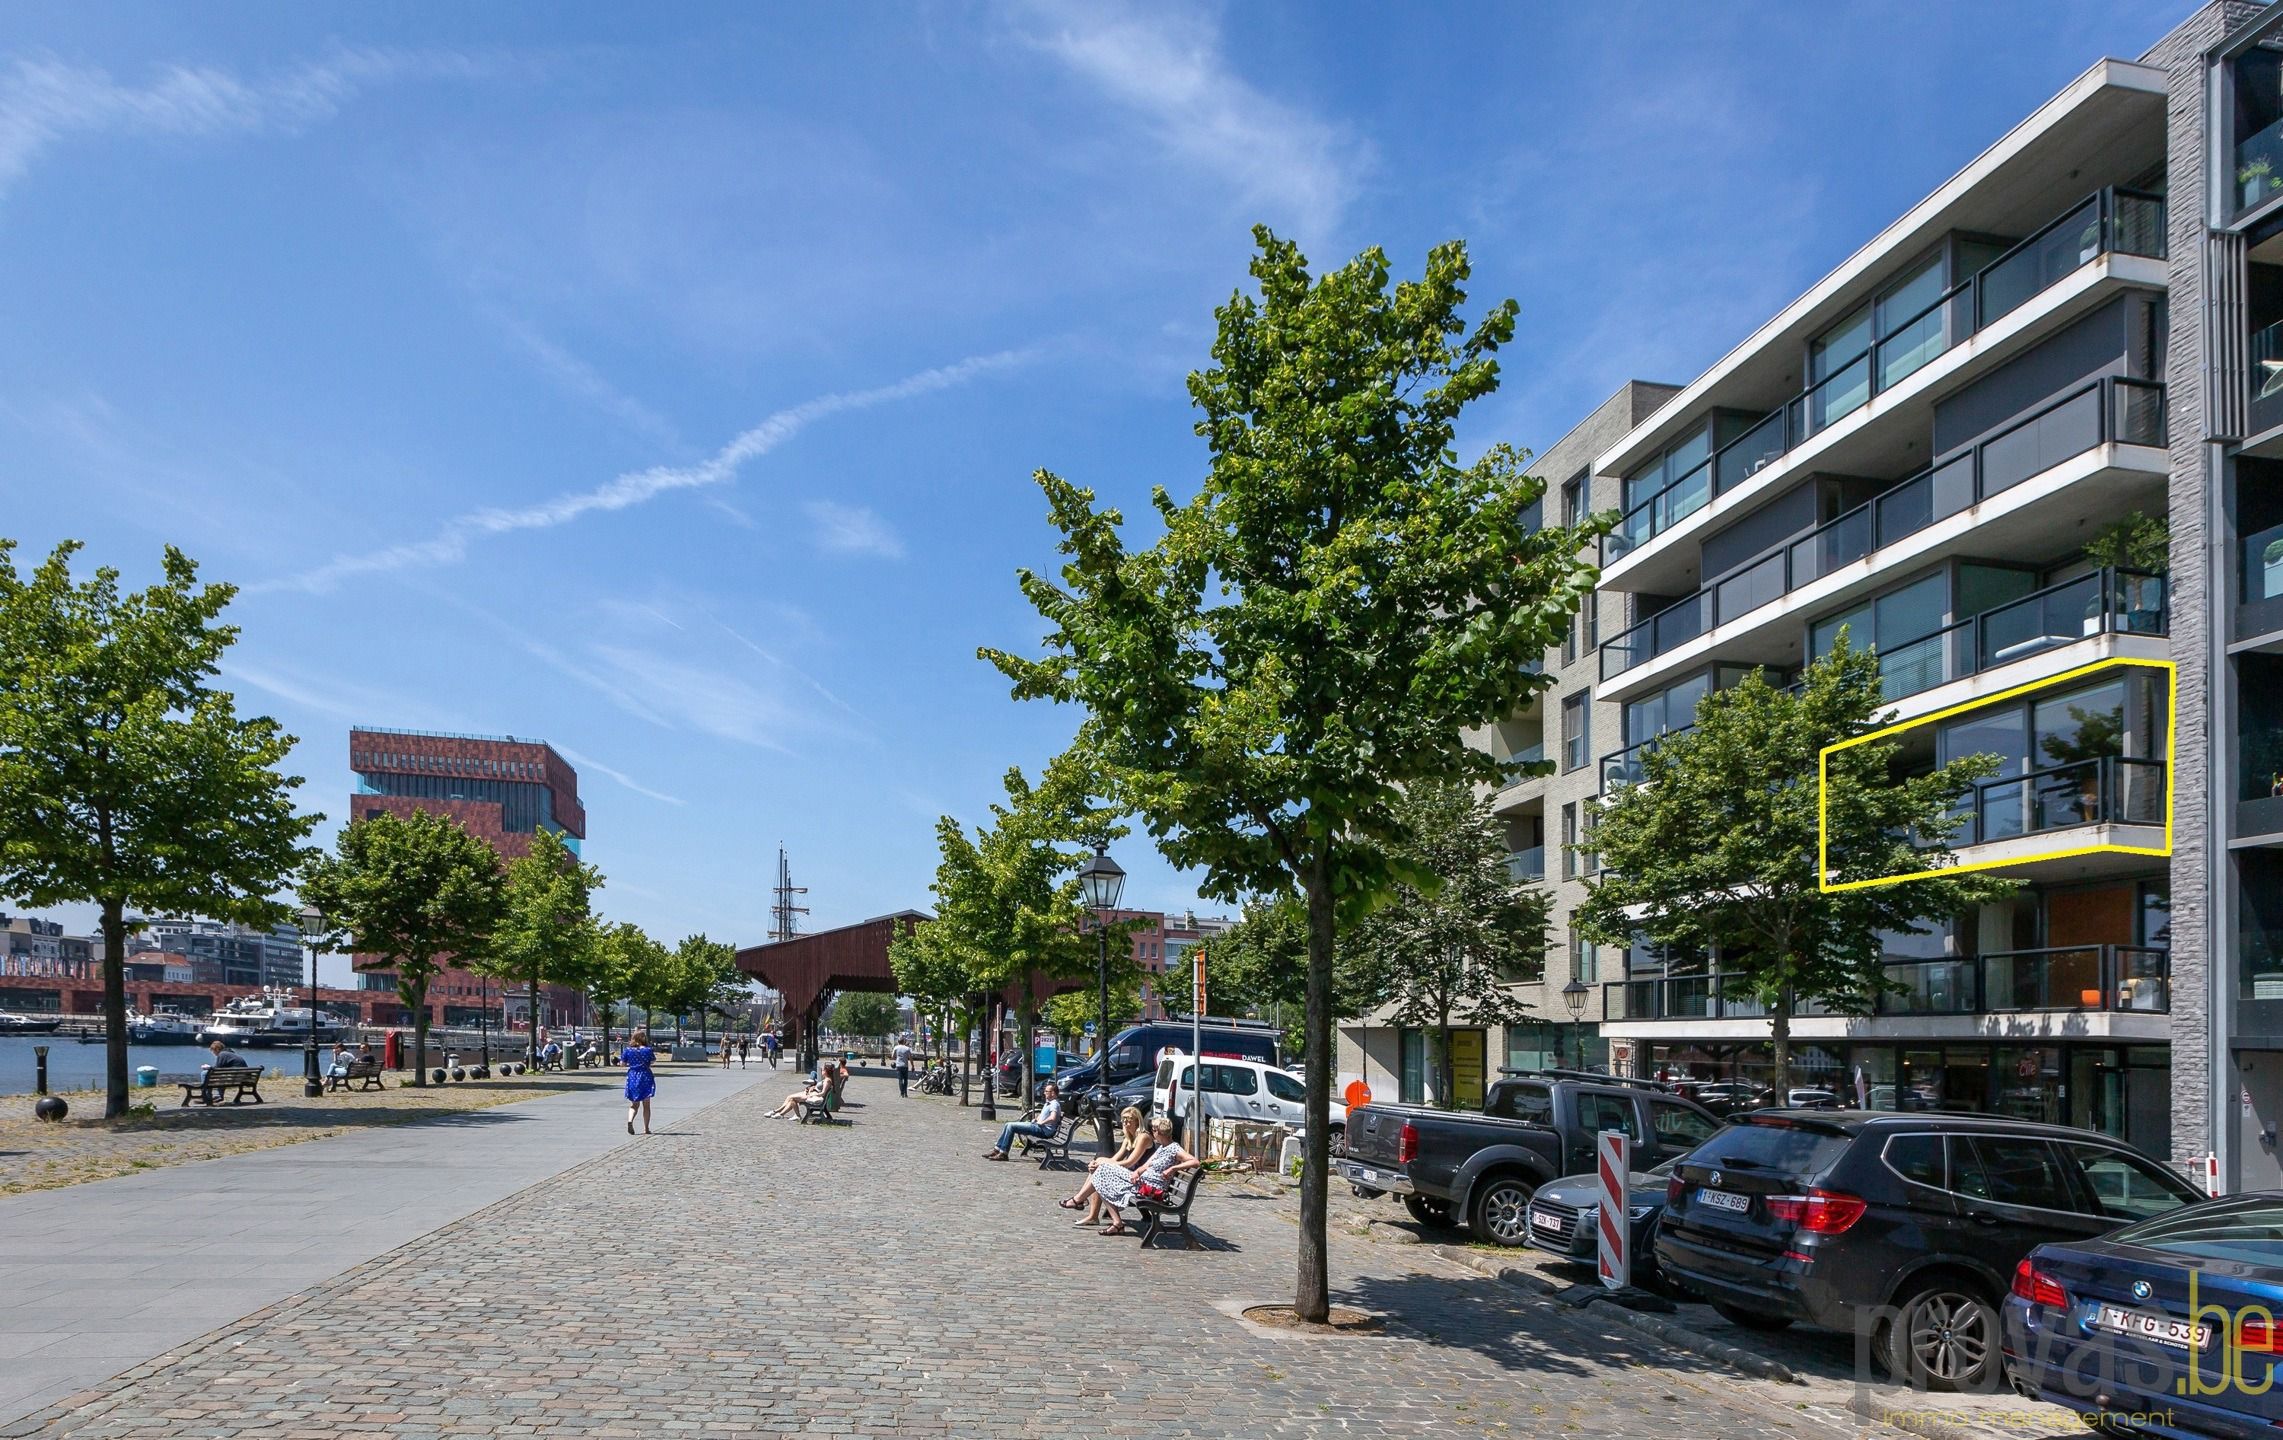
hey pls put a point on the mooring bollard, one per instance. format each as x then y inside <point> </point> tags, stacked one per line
<point>47,1107</point>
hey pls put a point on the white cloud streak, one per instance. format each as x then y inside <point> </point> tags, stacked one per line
<point>588,762</point>
<point>636,487</point>
<point>1173,73</point>
<point>852,530</point>
<point>45,101</point>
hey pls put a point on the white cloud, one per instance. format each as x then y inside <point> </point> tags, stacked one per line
<point>588,762</point>
<point>582,380</point>
<point>45,101</point>
<point>450,544</point>
<point>1173,72</point>
<point>852,530</point>
<point>698,698</point>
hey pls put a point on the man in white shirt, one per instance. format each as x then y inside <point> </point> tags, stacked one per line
<point>1049,1118</point>
<point>903,1054</point>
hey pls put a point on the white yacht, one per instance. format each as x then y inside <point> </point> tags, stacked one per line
<point>273,1017</point>
<point>167,1027</point>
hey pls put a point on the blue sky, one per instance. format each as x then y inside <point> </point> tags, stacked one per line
<point>665,381</point>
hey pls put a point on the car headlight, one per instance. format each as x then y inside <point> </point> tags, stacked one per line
<point>1588,1214</point>
<point>1640,1212</point>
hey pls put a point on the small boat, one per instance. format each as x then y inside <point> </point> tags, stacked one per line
<point>13,1023</point>
<point>167,1027</point>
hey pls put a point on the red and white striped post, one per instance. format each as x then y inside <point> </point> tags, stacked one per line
<point>1615,1151</point>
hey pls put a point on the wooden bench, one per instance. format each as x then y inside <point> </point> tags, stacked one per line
<point>240,1080</point>
<point>366,1070</point>
<point>823,1112</point>
<point>1170,1216</point>
<point>1053,1151</point>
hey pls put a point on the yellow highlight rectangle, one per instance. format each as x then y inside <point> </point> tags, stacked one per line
<point>1823,780</point>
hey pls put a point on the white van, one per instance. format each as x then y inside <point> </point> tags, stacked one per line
<point>1238,1090</point>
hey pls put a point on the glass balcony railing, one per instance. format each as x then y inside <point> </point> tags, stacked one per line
<point>2113,221</point>
<point>2266,359</point>
<point>2258,166</point>
<point>2132,979</point>
<point>2108,790</point>
<point>2107,602</point>
<point>1527,864</point>
<point>2112,409</point>
<point>2259,611</point>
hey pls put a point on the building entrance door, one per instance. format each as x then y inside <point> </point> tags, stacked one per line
<point>2258,1103</point>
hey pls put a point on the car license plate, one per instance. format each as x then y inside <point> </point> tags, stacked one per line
<point>1366,1175</point>
<point>1724,1200</point>
<point>2162,1329</point>
<point>1544,1221</point>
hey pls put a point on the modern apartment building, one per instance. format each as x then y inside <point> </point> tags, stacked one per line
<point>226,954</point>
<point>2082,326</point>
<point>501,789</point>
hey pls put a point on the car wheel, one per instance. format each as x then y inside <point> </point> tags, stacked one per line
<point>1944,1337</point>
<point>1428,1210</point>
<point>1500,1210</point>
<point>1339,1143</point>
<point>1750,1319</point>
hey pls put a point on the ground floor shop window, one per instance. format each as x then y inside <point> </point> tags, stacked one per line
<point>2120,1090</point>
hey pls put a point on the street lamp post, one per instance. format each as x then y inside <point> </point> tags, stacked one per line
<point>1102,883</point>
<point>1574,995</point>
<point>313,930</point>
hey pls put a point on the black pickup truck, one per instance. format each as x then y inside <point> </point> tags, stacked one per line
<point>1536,1126</point>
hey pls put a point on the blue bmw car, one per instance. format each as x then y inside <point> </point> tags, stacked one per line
<point>2171,1326</point>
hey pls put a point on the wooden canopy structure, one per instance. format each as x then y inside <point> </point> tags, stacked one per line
<point>809,969</point>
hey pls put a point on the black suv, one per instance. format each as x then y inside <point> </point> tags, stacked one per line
<point>1903,1227</point>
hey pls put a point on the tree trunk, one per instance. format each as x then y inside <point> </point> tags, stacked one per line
<point>533,1026</point>
<point>1312,1300</point>
<point>966,1059</point>
<point>1027,1036</point>
<point>114,1008</point>
<point>1780,1032</point>
<point>416,996</point>
<point>1446,1071</point>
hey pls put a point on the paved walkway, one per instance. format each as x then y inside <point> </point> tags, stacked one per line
<point>102,1276</point>
<point>879,1279</point>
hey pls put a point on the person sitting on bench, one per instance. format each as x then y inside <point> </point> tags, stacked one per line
<point>338,1067</point>
<point>1132,1150</point>
<point>1115,1186</point>
<point>224,1056</point>
<point>1049,1119</point>
<point>831,1075</point>
<point>551,1055</point>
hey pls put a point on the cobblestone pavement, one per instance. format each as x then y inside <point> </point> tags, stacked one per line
<point>36,1155</point>
<point>737,1275</point>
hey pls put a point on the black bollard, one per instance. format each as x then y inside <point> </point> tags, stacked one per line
<point>40,1069</point>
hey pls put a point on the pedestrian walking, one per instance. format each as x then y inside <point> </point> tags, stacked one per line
<point>725,1048</point>
<point>744,1047</point>
<point>770,1045</point>
<point>641,1084</point>
<point>903,1068</point>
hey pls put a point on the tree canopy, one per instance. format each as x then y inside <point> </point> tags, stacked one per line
<point>127,781</point>
<point>1315,628</point>
<point>1716,849</point>
<point>866,1013</point>
<point>546,927</point>
<point>416,891</point>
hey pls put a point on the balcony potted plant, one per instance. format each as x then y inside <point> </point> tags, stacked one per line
<point>2139,542</point>
<point>2256,181</point>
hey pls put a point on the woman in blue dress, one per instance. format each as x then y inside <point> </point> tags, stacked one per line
<point>641,1084</point>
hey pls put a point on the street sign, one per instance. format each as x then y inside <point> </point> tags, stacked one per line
<point>1197,1003</point>
<point>1614,1150</point>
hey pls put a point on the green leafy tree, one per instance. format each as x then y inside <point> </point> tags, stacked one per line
<point>1318,626</point>
<point>1259,967</point>
<point>1070,1012</point>
<point>706,979</point>
<point>648,971</point>
<point>930,967</point>
<point>1715,851</point>
<point>1447,950</point>
<point>127,781</point>
<point>416,891</point>
<point>545,924</point>
<point>865,1013</point>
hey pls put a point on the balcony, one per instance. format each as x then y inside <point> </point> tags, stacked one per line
<point>2107,602</point>
<point>2116,979</point>
<point>1527,865</point>
<point>2110,410</point>
<point>2111,222</point>
<point>2260,558</point>
<point>2109,790</point>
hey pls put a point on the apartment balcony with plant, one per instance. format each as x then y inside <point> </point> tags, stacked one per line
<point>2069,979</point>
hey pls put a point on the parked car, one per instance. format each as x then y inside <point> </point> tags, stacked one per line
<point>1535,1127</point>
<point>1810,1098</point>
<point>1239,1090</point>
<point>2107,1326</point>
<point>1565,1218</point>
<point>1904,1228</point>
<point>1135,1050</point>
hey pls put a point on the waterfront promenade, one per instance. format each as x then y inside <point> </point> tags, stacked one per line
<point>103,1276</point>
<point>737,1275</point>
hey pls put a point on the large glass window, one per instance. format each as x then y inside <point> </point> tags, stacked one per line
<point>2256,127</point>
<point>1885,621</point>
<point>1577,730</point>
<point>1839,370</point>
